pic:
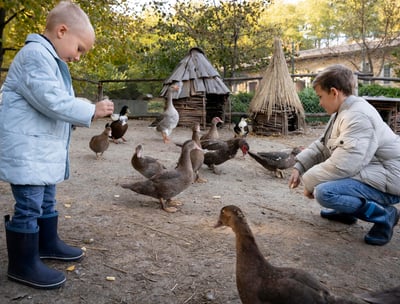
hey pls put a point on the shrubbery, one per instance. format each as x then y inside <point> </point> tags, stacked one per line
<point>378,90</point>
<point>310,100</point>
<point>241,101</point>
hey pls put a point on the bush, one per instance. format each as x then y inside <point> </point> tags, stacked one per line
<point>241,102</point>
<point>378,90</point>
<point>310,101</point>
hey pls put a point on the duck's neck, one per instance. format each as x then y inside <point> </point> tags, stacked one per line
<point>214,127</point>
<point>196,137</point>
<point>170,104</point>
<point>247,251</point>
<point>233,144</point>
<point>184,160</point>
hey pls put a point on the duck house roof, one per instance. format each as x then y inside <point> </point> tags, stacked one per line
<point>197,75</point>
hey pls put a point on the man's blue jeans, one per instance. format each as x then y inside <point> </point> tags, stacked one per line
<point>347,195</point>
<point>31,202</point>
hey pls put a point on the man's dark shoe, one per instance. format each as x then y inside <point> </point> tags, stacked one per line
<point>336,216</point>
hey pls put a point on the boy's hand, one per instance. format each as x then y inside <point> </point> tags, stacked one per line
<point>104,108</point>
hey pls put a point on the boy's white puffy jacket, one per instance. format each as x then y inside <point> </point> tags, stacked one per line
<point>361,146</point>
<point>36,113</point>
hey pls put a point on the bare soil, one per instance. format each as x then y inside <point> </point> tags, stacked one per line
<point>160,257</point>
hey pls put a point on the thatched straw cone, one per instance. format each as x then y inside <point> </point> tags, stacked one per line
<point>276,91</point>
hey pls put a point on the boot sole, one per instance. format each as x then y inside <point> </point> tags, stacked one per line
<point>35,284</point>
<point>61,258</point>
<point>339,217</point>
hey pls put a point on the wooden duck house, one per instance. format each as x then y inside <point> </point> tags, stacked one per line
<point>203,95</point>
<point>276,108</point>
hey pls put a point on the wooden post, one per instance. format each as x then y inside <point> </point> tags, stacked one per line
<point>356,84</point>
<point>204,113</point>
<point>99,91</point>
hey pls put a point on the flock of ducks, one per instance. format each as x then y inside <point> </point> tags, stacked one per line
<point>258,281</point>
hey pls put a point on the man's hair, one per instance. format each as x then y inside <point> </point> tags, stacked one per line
<point>70,14</point>
<point>336,76</point>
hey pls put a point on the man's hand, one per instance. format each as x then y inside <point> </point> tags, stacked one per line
<point>294,179</point>
<point>308,194</point>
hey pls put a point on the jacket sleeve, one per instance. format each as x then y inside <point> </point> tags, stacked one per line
<point>312,155</point>
<point>352,146</point>
<point>46,85</point>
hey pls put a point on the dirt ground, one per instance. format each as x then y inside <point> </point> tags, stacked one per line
<point>158,257</point>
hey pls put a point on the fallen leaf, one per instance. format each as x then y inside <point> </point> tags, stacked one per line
<point>71,268</point>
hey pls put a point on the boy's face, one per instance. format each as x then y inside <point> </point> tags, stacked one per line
<point>72,44</point>
<point>330,101</point>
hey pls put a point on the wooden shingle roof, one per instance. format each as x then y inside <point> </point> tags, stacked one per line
<point>197,75</point>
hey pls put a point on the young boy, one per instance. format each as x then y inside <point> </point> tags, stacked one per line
<point>353,169</point>
<point>37,111</point>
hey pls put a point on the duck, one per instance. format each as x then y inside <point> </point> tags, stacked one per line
<point>213,131</point>
<point>119,126</point>
<point>260,282</point>
<point>388,296</point>
<point>220,151</point>
<point>146,165</point>
<point>241,128</point>
<point>196,156</point>
<point>169,182</point>
<point>276,161</point>
<point>99,143</point>
<point>168,120</point>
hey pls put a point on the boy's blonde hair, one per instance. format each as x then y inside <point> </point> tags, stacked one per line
<point>70,14</point>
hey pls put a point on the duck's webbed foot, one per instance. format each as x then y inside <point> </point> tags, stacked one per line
<point>165,207</point>
<point>215,170</point>
<point>200,180</point>
<point>279,173</point>
<point>165,138</point>
<point>174,203</point>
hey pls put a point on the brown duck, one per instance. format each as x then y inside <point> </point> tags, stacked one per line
<point>388,296</point>
<point>276,161</point>
<point>259,282</point>
<point>99,143</point>
<point>145,165</point>
<point>119,126</point>
<point>220,151</point>
<point>170,182</point>
<point>197,156</point>
<point>213,131</point>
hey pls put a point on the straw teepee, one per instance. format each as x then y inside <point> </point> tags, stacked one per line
<point>276,107</point>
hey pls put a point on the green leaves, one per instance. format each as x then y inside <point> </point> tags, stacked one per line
<point>148,41</point>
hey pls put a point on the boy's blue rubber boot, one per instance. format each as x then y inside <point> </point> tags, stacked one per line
<point>50,245</point>
<point>384,219</point>
<point>24,264</point>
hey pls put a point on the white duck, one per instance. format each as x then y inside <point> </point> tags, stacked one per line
<point>168,120</point>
